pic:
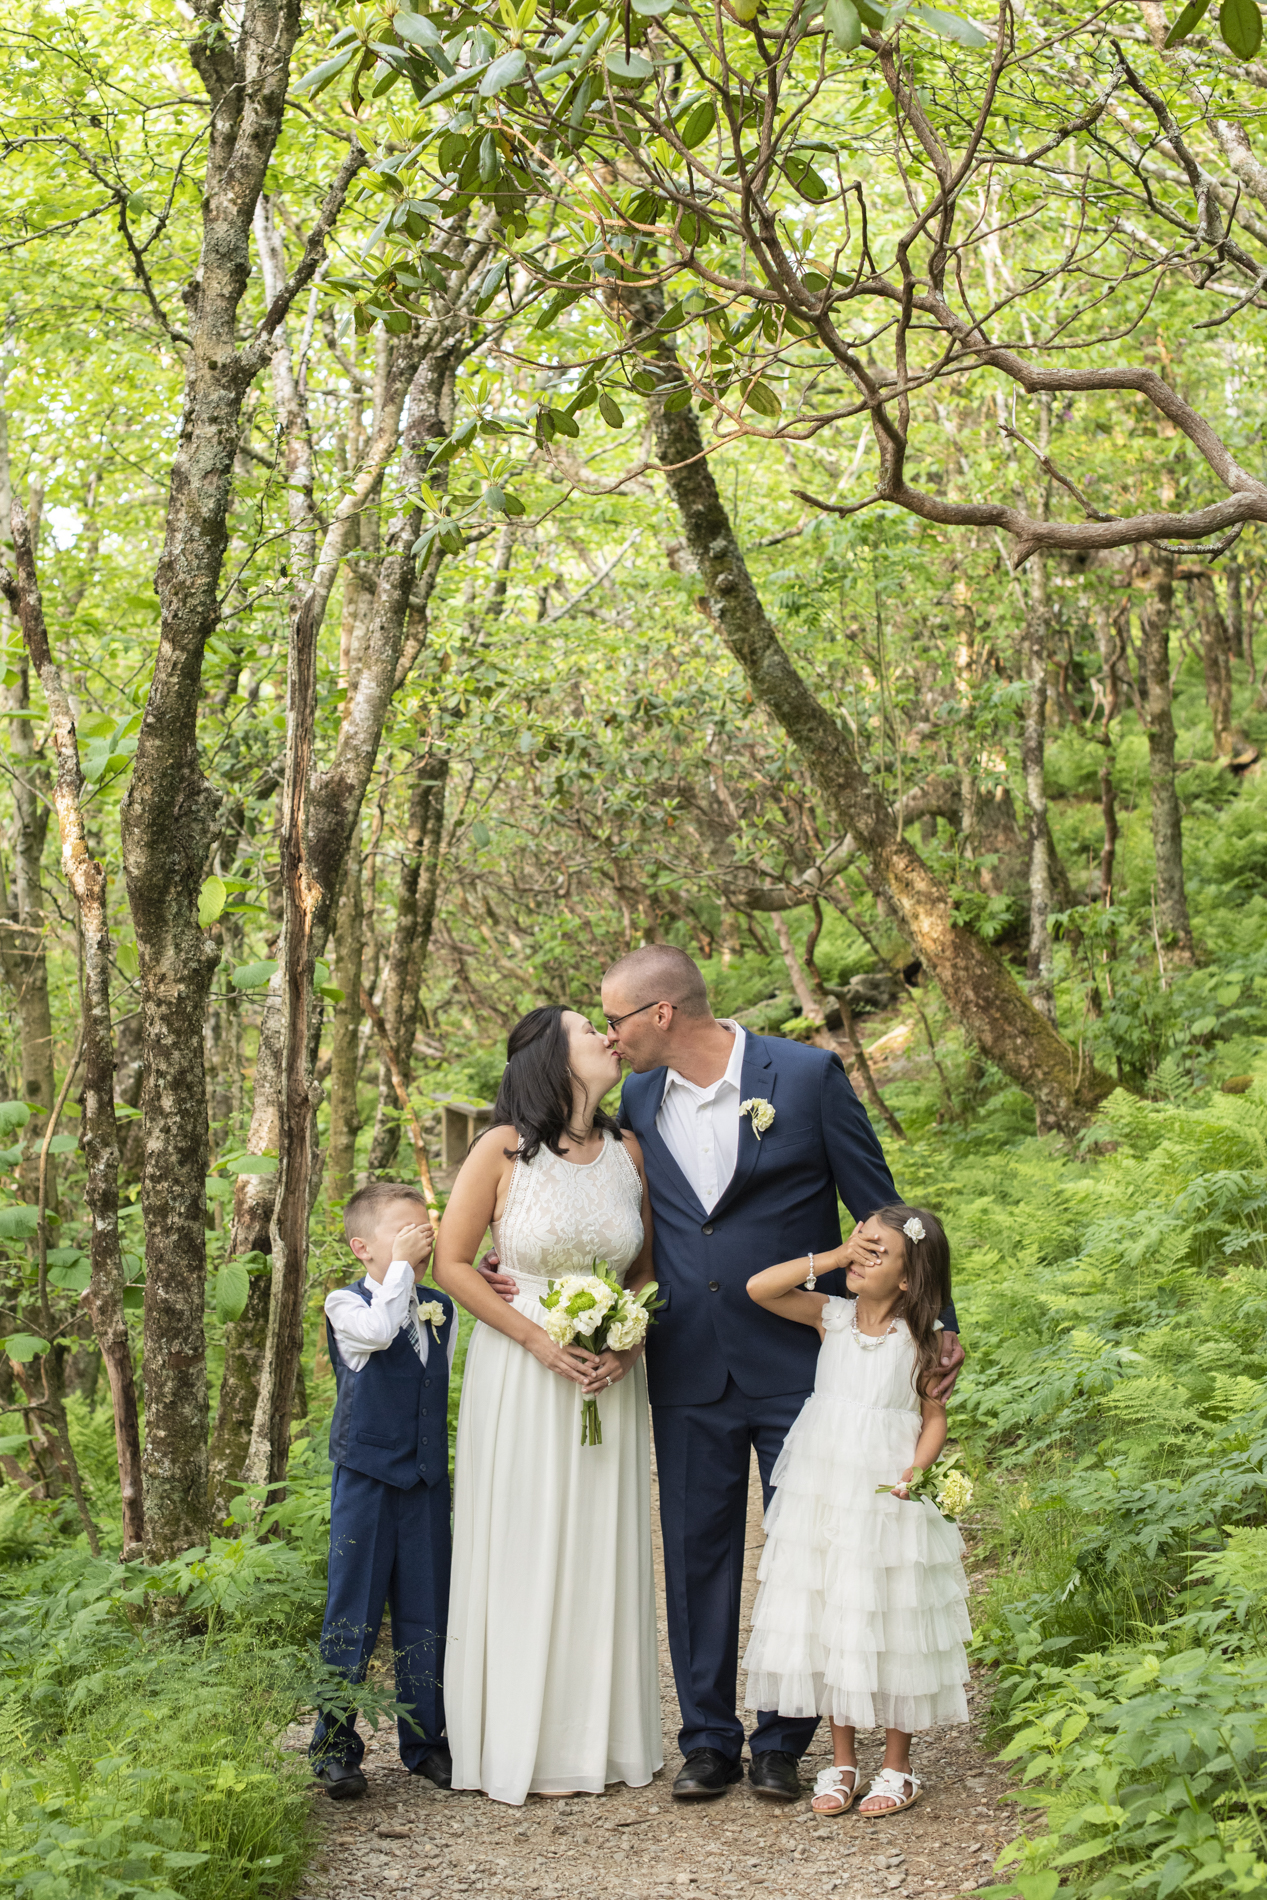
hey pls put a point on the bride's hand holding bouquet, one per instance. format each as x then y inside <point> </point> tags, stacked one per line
<point>596,1307</point>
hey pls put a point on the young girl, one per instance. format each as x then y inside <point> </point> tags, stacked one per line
<point>861,1612</point>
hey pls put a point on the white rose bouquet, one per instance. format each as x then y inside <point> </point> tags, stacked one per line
<point>595,1311</point>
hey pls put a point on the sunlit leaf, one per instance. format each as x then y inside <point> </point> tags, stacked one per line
<point>233,1290</point>
<point>1191,17</point>
<point>211,901</point>
<point>1241,25</point>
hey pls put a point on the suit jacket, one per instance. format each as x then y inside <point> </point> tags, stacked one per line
<point>780,1202</point>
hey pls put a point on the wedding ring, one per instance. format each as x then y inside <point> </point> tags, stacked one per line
<point>609,1378</point>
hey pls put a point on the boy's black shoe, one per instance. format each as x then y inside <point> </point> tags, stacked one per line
<point>341,1780</point>
<point>436,1765</point>
<point>705,1774</point>
<point>774,1774</point>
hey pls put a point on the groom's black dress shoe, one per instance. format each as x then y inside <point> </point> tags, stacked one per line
<point>774,1775</point>
<point>704,1775</point>
<point>341,1780</point>
<point>436,1765</point>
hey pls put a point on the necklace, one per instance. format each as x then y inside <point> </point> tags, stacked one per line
<point>869,1342</point>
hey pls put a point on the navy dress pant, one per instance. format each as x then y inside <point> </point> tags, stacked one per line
<point>703,1456</point>
<point>393,1547</point>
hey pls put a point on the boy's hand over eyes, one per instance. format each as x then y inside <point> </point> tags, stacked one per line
<point>414,1244</point>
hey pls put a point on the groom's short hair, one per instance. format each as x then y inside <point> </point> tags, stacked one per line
<point>664,968</point>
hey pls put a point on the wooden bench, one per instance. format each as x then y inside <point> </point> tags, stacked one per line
<point>460,1122</point>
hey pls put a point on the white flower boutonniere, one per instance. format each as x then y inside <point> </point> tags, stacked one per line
<point>760,1111</point>
<point>431,1313</point>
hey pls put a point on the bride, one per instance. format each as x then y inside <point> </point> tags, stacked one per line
<point>551,1680</point>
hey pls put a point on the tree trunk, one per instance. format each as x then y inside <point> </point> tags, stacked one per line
<point>346,1037</point>
<point>415,910</point>
<point>87,879</point>
<point>321,815</point>
<point>253,1198</point>
<point>1235,611</point>
<point>1172,898</point>
<point>1217,660</point>
<point>22,930</point>
<point>169,811</point>
<point>1033,759</point>
<point>980,990</point>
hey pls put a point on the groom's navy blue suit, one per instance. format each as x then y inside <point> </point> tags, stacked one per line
<point>724,1374</point>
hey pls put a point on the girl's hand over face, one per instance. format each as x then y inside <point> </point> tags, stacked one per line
<point>858,1252</point>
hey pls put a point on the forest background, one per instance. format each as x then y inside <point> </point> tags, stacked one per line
<point>489,486</point>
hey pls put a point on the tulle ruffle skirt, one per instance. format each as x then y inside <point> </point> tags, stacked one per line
<point>862,1611</point>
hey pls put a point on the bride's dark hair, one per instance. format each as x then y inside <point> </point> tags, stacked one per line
<point>536,1086</point>
<point>927,1292</point>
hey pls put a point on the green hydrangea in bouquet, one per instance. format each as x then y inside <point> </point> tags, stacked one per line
<point>950,1490</point>
<point>594,1310</point>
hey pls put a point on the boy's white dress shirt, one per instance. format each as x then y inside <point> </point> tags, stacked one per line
<point>360,1330</point>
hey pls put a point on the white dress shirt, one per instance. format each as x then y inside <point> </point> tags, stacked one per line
<point>700,1127</point>
<point>360,1330</point>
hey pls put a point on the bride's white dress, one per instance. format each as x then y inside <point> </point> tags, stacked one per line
<point>551,1676</point>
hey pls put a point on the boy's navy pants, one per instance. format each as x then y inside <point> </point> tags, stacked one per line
<point>391,1547</point>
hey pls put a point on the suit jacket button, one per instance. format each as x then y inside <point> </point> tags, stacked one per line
<point>708,1227</point>
<point>426,1441</point>
<point>714,1286</point>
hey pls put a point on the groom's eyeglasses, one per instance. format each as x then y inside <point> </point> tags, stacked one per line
<point>614,1022</point>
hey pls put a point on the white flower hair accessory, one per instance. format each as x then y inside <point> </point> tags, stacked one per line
<point>914,1228</point>
<point>761,1112</point>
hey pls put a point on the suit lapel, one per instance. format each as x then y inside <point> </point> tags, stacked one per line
<point>758,1078</point>
<point>653,1142</point>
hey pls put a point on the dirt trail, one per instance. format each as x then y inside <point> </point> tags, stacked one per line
<point>408,1838</point>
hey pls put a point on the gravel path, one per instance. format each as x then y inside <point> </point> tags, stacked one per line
<point>408,1838</point>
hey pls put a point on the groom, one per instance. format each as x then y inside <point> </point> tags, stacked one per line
<point>724,1374</point>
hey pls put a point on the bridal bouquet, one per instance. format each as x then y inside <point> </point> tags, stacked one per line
<point>595,1311</point>
<point>951,1490</point>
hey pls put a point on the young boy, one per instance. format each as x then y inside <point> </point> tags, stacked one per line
<point>389,1499</point>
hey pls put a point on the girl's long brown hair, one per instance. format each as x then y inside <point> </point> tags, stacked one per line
<point>927,1286</point>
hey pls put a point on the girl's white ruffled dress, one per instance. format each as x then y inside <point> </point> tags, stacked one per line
<point>862,1611</point>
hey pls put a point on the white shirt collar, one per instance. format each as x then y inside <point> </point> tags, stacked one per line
<point>733,1078</point>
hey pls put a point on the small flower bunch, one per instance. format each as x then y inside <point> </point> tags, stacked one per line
<point>595,1310</point>
<point>431,1313</point>
<point>950,1490</point>
<point>760,1110</point>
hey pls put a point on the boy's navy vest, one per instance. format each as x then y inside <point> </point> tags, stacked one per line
<point>391,1419</point>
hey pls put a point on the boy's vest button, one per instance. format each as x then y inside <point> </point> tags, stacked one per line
<point>426,1382</point>
<point>708,1227</point>
<point>425,1441</point>
<point>714,1286</point>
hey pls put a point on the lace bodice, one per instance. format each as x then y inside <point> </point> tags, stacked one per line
<point>560,1216</point>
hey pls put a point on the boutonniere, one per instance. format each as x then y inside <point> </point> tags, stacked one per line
<point>432,1313</point>
<point>759,1111</point>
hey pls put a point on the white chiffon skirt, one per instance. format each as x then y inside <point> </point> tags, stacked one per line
<point>551,1678</point>
<point>862,1611</point>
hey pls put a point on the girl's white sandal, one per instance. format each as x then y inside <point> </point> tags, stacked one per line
<point>829,1784</point>
<point>893,1783</point>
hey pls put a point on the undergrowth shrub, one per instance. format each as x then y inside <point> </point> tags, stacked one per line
<point>142,1710</point>
<point>1115,1306</point>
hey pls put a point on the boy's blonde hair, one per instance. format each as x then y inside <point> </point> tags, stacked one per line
<point>364,1209</point>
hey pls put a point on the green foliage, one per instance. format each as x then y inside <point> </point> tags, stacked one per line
<point>1115,1304</point>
